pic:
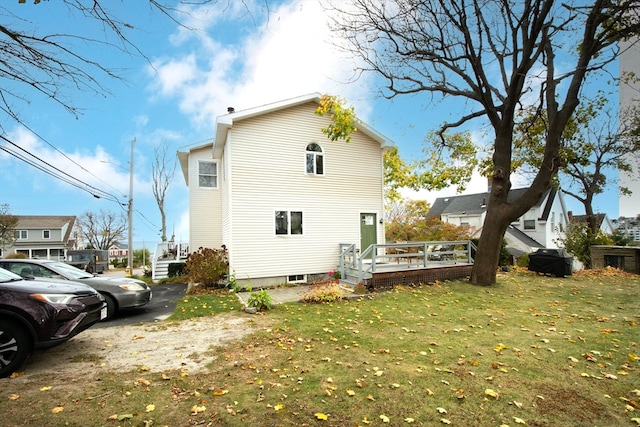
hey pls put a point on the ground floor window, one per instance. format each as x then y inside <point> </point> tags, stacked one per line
<point>296,278</point>
<point>288,222</point>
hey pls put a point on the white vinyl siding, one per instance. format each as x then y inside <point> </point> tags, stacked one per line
<point>352,184</point>
<point>204,206</point>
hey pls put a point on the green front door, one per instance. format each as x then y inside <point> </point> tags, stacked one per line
<point>368,231</point>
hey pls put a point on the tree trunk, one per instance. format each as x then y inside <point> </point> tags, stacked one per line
<point>488,255</point>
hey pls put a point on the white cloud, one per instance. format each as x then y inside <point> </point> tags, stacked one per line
<point>288,56</point>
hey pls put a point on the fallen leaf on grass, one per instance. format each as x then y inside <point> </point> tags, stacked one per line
<point>384,418</point>
<point>351,392</point>
<point>492,393</point>
<point>321,416</point>
<point>14,396</point>
<point>278,407</point>
<point>220,392</point>
<point>409,420</point>
<point>195,409</point>
<point>57,409</point>
<point>445,421</point>
<point>441,410</point>
<point>519,420</point>
<point>46,388</point>
<point>150,408</point>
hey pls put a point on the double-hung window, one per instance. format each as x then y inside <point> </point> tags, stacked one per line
<point>21,234</point>
<point>315,160</point>
<point>207,174</point>
<point>288,222</point>
<point>46,234</point>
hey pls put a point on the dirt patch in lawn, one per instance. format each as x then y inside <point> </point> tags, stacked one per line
<point>156,347</point>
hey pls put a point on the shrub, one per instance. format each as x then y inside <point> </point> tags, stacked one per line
<point>323,293</point>
<point>176,269</point>
<point>260,300</point>
<point>579,239</point>
<point>208,266</point>
<point>16,255</point>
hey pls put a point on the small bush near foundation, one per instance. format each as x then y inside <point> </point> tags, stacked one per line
<point>323,293</point>
<point>208,266</point>
<point>261,300</point>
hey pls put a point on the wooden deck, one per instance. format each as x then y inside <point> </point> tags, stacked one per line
<point>406,263</point>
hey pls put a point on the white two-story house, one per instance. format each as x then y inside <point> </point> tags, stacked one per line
<point>540,227</point>
<point>282,197</point>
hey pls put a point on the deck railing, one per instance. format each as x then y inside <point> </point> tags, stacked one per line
<point>384,257</point>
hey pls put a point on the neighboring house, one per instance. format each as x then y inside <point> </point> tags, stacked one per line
<point>46,237</point>
<point>280,195</point>
<point>540,227</point>
<point>118,250</point>
<point>602,220</point>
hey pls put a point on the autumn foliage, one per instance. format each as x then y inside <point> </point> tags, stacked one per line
<point>207,266</point>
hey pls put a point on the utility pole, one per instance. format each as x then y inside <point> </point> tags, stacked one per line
<point>130,251</point>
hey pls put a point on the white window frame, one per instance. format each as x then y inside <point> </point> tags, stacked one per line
<point>216,175</point>
<point>316,155</point>
<point>20,233</point>
<point>297,278</point>
<point>46,234</point>
<point>288,224</point>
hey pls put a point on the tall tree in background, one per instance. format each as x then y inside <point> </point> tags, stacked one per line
<point>497,56</point>
<point>102,230</point>
<point>8,224</point>
<point>594,143</point>
<point>162,171</point>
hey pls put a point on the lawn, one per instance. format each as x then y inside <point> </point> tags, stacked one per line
<point>534,351</point>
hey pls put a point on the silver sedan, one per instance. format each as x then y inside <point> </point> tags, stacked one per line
<point>119,293</point>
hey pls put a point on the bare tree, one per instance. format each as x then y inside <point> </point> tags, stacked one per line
<point>102,230</point>
<point>8,224</point>
<point>35,64</point>
<point>496,55</point>
<point>162,171</point>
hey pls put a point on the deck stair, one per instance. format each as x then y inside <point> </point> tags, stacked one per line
<point>167,253</point>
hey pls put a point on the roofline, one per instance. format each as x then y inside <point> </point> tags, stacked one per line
<point>225,122</point>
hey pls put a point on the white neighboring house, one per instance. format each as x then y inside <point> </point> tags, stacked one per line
<point>540,227</point>
<point>280,195</point>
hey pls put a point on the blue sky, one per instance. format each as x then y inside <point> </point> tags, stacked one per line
<point>232,58</point>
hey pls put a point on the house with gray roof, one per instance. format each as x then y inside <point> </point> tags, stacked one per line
<point>42,236</point>
<point>540,227</point>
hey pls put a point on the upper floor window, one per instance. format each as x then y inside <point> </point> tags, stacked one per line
<point>529,224</point>
<point>208,174</point>
<point>315,160</point>
<point>21,234</point>
<point>288,222</point>
<point>46,234</point>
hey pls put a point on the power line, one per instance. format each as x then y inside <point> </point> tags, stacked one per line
<point>55,172</point>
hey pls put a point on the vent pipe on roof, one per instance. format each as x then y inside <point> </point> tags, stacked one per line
<point>231,110</point>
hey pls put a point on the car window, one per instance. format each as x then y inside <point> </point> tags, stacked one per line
<point>39,271</point>
<point>12,267</point>
<point>70,271</point>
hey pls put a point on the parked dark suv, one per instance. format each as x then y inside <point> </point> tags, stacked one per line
<point>37,314</point>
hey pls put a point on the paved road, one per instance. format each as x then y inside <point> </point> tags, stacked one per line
<point>163,303</point>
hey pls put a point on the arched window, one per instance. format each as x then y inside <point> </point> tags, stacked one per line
<point>315,160</point>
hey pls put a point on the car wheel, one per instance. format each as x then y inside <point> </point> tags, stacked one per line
<point>15,346</point>
<point>112,306</point>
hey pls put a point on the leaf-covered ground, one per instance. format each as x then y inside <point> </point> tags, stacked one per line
<point>532,350</point>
